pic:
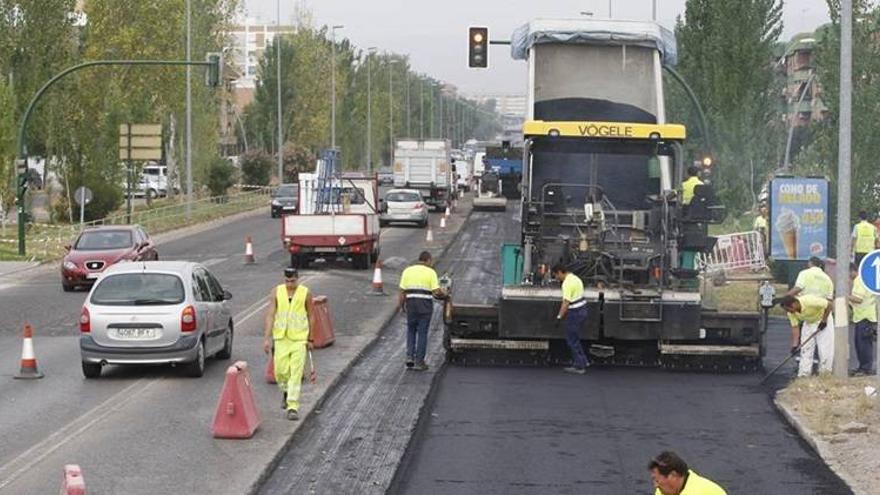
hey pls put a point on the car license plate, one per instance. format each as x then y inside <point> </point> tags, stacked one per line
<point>136,333</point>
<point>91,276</point>
<point>325,250</point>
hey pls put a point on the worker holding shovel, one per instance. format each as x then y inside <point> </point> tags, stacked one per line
<point>815,314</point>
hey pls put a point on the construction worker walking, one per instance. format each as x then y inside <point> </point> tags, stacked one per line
<point>864,316</point>
<point>762,227</point>
<point>864,237</point>
<point>287,325</point>
<point>815,314</point>
<point>419,286</point>
<point>574,311</point>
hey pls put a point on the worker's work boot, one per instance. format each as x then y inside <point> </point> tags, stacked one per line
<point>410,362</point>
<point>576,371</point>
<point>292,415</point>
<point>421,366</point>
<point>283,400</point>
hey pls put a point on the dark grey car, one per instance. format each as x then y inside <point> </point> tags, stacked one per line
<point>285,201</point>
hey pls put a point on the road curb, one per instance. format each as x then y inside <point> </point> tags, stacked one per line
<point>820,446</point>
<point>385,318</point>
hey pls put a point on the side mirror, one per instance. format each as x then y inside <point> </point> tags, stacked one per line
<point>227,295</point>
<point>67,247</point>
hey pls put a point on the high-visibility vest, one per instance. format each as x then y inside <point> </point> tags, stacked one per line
<point>687,189</point>
<point>865,235</point>
<point>291,317</point>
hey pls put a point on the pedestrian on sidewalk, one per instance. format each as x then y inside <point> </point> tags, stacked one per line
<point>574,311</point>
<point>672,476</point>
<point>287,325</point>
<point>864,317</point>
<point>419,286</point>
<point>815,314</point>
<point>865,237</point>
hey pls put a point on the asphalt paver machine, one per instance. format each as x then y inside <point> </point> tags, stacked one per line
<point>600,169</point>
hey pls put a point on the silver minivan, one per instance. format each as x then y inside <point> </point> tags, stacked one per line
<point>155,313</point>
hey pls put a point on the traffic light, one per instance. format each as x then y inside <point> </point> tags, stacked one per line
<point>214,74</point>
<point>707,161</point>
<point>478,47</point>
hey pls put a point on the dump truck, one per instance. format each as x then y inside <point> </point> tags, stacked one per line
<point>489,194</point>
<point>506,161</point>
<point>425,165</point>
<point>600,171</point>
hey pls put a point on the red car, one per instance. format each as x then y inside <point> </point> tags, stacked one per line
<point>96,248</point>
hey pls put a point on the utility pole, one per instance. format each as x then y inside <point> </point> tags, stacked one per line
<point>390,108</point>
<point>654,10</point>
<point>370,52</point>
<point>189,176</point>
<point>333,87</point>
<point>442,129</point>
<point>408,127</point>
<point>421,108</point>
<point>842,282</point>
<point>277,41</point>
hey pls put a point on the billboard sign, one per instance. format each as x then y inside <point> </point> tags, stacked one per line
<point>798,218</point>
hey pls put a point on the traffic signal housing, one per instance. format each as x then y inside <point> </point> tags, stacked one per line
<point>214,72</point>
<point>478,47</point>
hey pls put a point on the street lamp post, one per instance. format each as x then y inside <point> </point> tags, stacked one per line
<point>408,128</point>
<point>277,41</point>
<point>333,87</point>
<point>390,108</point>
<point>189,177</point>
<point>370,52</point>
<point>842,283</point>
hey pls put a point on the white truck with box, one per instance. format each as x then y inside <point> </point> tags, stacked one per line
<point>425,165</point>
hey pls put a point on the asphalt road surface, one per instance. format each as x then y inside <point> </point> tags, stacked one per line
<point>538,430</point>
<point>142,430</point>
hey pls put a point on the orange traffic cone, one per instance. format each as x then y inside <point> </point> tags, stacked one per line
<point>248,250</point>
<point>430,237</point>
<point>378,288</point>
<point>28,359</point>
<point>443,222</point>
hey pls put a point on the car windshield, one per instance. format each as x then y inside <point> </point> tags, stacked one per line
<point>104,240</point>
<point>138,289</point>
<point>402,197</point>
<point>286,192</point>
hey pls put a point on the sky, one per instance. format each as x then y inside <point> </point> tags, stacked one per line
<point>434,34</point>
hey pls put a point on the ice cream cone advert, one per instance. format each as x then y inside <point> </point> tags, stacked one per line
<point>798,212</point>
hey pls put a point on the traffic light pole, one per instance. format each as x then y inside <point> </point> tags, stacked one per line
<point>21,148</point>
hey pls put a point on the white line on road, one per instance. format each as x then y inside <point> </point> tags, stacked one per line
<point>55,441</point>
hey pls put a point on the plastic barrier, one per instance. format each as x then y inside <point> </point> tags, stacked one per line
<point>322,324</point>
<point>237,415</point>
<point>732,252</point>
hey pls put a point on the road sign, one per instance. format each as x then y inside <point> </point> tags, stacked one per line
<point>140,142</point>
<point>869,270</point>
<point>83,195</point>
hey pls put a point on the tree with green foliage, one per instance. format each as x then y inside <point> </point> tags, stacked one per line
<point>221,176</point>
<point>256,168</point>
<point>820,156</point>
<point>726,52</point>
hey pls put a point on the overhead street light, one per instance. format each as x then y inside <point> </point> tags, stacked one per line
<point>370,51</point>
<point>333,87</point>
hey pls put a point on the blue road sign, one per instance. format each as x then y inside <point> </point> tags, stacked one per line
<point>869,270</point>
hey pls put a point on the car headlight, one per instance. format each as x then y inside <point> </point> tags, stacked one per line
<point>69,265</point>
<point>275,202</point>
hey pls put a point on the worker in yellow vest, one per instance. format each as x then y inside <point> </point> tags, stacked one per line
<point>762,227</point>
<point>864,237</point>
<point>419,286</point>
<point>864,316</point>
<point>687,187</point>
<point>672,476</point>
<point>287,326</point>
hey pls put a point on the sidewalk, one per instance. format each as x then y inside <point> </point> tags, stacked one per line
<point>12,267</point>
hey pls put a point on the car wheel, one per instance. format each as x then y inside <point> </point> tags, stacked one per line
<point>226,352</point>
<point>274,214</point>
<point>152,194</point>
<point>423,223</point>
<point>196,368</point>
<point>67,288</point>
<point>91,370</point>
<point>383,223</point>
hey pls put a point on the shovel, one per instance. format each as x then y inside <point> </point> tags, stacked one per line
<point>768,375</point>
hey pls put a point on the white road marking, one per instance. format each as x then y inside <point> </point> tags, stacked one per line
<point>63,436</point>
<point>213,261</point>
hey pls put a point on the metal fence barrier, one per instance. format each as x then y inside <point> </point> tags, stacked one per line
<point>734,252</point>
